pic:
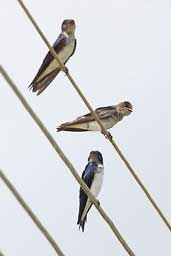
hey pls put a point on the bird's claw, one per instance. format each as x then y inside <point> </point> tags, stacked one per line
<point>108,135</point>
<point>66,71</point>
<point>98,202</point>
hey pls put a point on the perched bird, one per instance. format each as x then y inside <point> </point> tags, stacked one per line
<point>109,116</point>
<point>65,47</point>
<point>93,177</point>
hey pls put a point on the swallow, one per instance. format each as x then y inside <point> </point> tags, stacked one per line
<point>109,116</point>
<point>64,46</point>
<point>93,177</point>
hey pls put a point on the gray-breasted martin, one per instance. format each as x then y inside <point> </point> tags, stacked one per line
<point>109,116</point>
<point>64,46</point>
<point>93,177</point>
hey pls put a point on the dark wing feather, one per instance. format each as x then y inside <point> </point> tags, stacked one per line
<point>58,46</point>
<point>73,49</point>
<point>105,112</point>
<point>79,120</point>
<point>87,176</point>
<point>43,84</point>
<point>102,113</point>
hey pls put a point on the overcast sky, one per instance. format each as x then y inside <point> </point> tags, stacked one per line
<point>123,53</point>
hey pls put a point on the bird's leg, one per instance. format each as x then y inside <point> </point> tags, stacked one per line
<point>108,135</point>
<point>66,71</point>
<point>98,202</point>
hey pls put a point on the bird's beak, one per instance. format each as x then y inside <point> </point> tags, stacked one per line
<point>130,109</point>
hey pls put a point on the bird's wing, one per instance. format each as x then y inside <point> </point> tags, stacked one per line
<point>102,113</point>
<point>105,112</point>
<point>75,45</point>
<point>58,46</point>
<point>87,176</point>
<point>78,120</point>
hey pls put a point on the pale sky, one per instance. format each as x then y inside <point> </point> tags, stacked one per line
<point>123,53</point>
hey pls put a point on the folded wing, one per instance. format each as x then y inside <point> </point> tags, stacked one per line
<point>81,123</point>
<point>87,176</point>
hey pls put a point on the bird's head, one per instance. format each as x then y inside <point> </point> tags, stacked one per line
<point>68,26</point>
<point>124,108</point>
<point>95,156</point>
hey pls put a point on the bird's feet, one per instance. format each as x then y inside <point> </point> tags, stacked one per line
<point>108,135</point>
<point>98,202</point>
<point>66,71</point>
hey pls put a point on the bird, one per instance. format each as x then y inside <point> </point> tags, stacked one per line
<point>93,177</point>
<point>64,46</point>
<point>109,116</point>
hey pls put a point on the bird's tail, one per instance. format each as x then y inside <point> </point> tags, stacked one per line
<point>70,129</point>
<point>40,85</point>
<point>83,219</point>
<point>81,223</point>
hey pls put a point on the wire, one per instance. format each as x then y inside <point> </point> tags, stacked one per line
<point>104,131</point>
<point>31,214</point>
<point>66,161</point>
<point>1,254</point>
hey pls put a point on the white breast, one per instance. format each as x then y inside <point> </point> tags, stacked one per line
<point>95,188</point>
<point>63,56</point>
<point>107,123</point>
<point>98,181</point>
<point>67,51</point>
<point>93,126</point>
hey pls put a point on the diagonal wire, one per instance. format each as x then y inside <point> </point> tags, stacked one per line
<point>66,161</point>
<point>1,254</point>
<point>104,131</point>
<point>31,214</point>
<point>63,68</point>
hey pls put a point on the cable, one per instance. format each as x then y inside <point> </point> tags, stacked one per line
<point>104,131</point>
<point>31,214</point>
<point>66,161</point>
